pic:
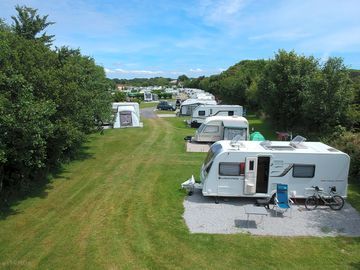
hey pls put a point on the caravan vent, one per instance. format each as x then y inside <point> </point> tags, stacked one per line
<point>265,144</point>
<point>297,142</point>
<point>236,141</point>
<point>269,146</point>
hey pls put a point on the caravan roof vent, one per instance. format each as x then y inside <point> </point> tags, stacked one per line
<point>236,141</point>
<point>297,142</point>
<point>266,144</point>
<point>269,146</point>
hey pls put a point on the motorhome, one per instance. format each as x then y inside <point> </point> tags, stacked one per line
<point>201,112</point>
<point>217,128</point>
<point>253,168</point>
<point>187,106</point>
<point>126,114</point>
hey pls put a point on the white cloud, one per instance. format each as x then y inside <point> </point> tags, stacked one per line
<point>196,70</point>
<point>137,72</point>
<point>337,41</point>
<point>220,12</point>
<point>281,36</point>
<point>109,71</point>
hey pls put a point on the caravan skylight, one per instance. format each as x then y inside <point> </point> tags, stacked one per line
<point>297,142</point>
<point>236,141</point>
<point>281,147</point>
<point>269,146</point>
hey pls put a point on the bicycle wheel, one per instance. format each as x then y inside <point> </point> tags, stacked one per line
<point>337,202</point>
<point>311,203</point>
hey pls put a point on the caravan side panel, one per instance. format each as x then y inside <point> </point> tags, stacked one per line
<point>302,171</point>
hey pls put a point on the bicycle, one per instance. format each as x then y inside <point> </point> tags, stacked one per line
<point>335,202</point>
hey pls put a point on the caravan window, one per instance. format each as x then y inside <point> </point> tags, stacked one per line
<point>215,149</point>
<point>230,113</point>
<point>303,171</point>
<point>211,129</point>
<point>229,169</point>
<point>251,165</point>
<point>201,113</point>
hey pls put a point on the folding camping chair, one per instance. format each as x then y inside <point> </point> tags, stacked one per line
<point>282,200</point>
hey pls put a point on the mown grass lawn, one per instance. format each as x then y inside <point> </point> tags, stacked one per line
<point>121,208</point>
<point>148,104</point>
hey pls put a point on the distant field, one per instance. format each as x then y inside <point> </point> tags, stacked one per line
<point>121,208</point>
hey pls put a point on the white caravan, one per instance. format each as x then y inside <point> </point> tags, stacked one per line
<point>253,168</point>
<point>187,106</point>
<point>148,96</point>
<point>127,114</point>
<point>201,112</point>
<point>216,128</point>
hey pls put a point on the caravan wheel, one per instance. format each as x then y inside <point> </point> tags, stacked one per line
<point>337,202</point>
<point>311,203</point>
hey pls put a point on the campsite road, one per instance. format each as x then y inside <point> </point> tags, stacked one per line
<point>148,113</point>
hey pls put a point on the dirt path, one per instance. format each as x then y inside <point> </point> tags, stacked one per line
<point>148,113</point>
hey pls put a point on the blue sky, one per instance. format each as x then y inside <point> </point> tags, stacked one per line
<point>144,38</point>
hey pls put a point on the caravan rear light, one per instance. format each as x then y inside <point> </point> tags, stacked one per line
<point>242,168</point>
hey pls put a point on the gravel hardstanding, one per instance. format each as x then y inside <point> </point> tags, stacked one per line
<point>202,215</point>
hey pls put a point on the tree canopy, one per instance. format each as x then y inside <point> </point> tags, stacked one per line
<point>49,101</point>
<point>29,24</point>
<point>296,92</point>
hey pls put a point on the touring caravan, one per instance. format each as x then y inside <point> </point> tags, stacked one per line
<point>253,168</point>
<point>187,106</point>
<point>127,114</point>
<point>148,96</point>
<point>217,128</point>
<point>201,112</point>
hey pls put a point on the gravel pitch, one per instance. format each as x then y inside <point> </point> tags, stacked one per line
<point>202,215</point>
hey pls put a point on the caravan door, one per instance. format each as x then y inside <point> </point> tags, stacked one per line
<point>125,119</point>
<point>250,175</point>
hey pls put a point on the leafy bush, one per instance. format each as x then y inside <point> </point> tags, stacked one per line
<point>49,101</point>
<point>349,143</point>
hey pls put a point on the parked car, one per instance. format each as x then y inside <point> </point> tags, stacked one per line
<point>166,106</point>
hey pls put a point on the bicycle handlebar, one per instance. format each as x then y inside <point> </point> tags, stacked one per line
<point>332,188</point>
<point>316,188</point>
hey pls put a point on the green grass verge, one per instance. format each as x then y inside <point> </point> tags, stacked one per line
<point>165,112</point>
<point>148,104</point>
<point>121,208</point>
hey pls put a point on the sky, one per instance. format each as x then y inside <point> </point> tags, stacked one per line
<point>158,38</point>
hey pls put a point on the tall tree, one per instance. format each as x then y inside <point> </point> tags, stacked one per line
<point>49,101</point>
<point>29,24</point>
<point>326,103</point>
<point>284,79</point>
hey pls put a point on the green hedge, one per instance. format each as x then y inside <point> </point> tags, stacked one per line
<point>349,143</point>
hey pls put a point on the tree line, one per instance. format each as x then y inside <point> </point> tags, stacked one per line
<point>144,82</point>
<point>296,93</point>
<point>49,100</point>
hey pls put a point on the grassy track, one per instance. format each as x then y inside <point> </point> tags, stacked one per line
<point>121,208</point>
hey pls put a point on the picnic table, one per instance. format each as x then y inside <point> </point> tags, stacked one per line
<point>255,210</point>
